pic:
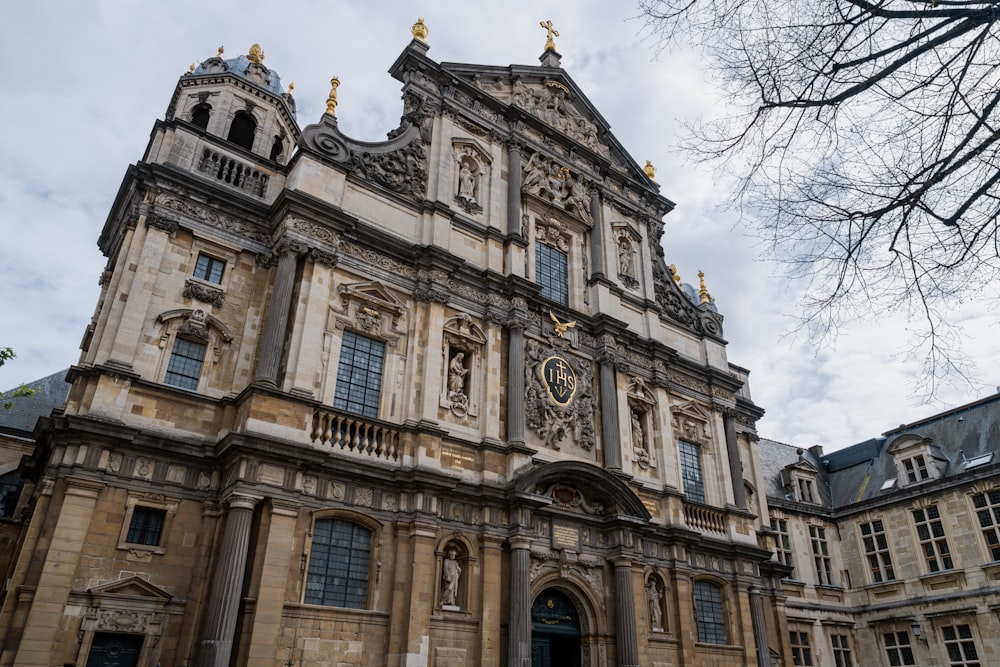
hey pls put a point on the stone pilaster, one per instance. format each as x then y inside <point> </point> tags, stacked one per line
<point>625,630</point>
<point>40,643</point>
<point>267,619</point>
<point>759,628</point>
<point>596,236</point>
<point>276,322</point>
<point>519,623</point>
<point>414,584</point>
<point>492,582</point>
<point>515,383</point>
<point>513,189</point>
<point>735,465</point>
<point>219,624</point>
<point>609,417</point>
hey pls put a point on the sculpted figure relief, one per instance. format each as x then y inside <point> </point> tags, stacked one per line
<point>653,598</point>
<point>456,374</point>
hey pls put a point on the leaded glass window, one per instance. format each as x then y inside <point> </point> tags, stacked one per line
<point>709,614</point>
<point>338,564</point>
<point>359,375</point>
<point>694,487</point>
<point>184,367</point>
<point>933,543</point>
<point>877,551</point>
<point>552,272</point>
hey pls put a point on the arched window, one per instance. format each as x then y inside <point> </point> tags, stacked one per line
<point>709,613</point>
<point>339,562</point>
<point>200,115</point>
<point>242,130</point>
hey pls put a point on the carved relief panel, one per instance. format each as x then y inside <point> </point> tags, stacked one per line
<point>559,397</point>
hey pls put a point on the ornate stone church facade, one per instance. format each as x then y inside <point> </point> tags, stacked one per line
<point>437,400</point>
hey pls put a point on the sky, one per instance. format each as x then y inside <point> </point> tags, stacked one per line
<point>83,84</point>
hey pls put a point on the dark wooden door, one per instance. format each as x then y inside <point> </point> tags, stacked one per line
<point>112,649</point>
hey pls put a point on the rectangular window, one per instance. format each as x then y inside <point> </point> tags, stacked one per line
<point>841,651</point>
<point>877,551</point>
<point>801,651</point>
<point>339,561</point>
<point>960,646</point>
<point>821,556</point>
<point>782,543</point>
<point>359,375</point>
<point>933,543</point>
<point>552,273</point>
<point>988,512</point>
<point>806,494</point>
<point>694,488</point>
<point>709,614</point>
<point>184,367</point>
<point>897,648</point>
<point>146,526</point>
<point>916,468</point>
<point>209,268</point>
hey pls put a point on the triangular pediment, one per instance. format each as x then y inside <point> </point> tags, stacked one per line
<point>132,588</point>
<point>803,466</point>
<point>373,294</point>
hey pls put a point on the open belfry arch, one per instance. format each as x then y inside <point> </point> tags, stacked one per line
<point>435,400</point>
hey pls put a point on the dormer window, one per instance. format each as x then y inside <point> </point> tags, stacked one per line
<point>916,468</point>
<point>799,480</point>
<point>805,488</point>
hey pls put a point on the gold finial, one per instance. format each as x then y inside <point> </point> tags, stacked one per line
<point>256,54</point>
<point>673,273</point>
<point>703,291</point>
<point>563,173</point>
<point>220,52</point>
<point>331,102</point>
<point>191,68</point>
<point>291,87</point>
<point>650,171</point>
<point>419,30</point>
<point>549,33</point>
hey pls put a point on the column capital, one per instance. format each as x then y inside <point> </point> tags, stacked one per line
<point>242,501</point>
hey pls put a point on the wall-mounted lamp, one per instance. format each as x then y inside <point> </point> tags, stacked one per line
<point>917,632</point>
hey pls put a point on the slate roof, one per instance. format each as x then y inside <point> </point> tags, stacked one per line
<point>50,393</point>
<point>857,473</point>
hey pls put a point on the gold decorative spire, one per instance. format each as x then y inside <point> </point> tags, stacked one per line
<point>702,290</point>
<point>331,101</point>
<point>256,54</point>
<point>549,33</point>
<point>650,171</point>
<point>419,30</point>
<point>673,273</point>
<point>220,52</point>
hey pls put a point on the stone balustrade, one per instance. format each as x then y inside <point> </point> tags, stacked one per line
<point>704,518</point>
<point>355,434</point>
<point>228,170</point>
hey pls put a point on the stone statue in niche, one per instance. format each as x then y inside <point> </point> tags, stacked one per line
<point>466,182</point>
<point>654,599</point>
<point>467,187</point>
<point>626,260</point>
<point>451,577</point>
<point>639,440</point>
<point>458,399</point>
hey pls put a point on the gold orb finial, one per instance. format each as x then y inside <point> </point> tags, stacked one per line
<point>331,101</point>
<point>550,32</point>
<point>703,291</point>
<point>673,273</point>
<point>191,68</point>
<point>291,87</point>
<point>256,54</point>
<point>419,30</point>
<point>650,171</point>
<point>220,52</point>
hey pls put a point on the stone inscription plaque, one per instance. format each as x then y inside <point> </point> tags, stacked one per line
<point>565,537</point>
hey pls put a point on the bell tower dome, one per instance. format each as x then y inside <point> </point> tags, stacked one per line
<point>239,101</point>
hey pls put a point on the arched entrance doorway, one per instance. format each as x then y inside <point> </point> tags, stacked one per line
<point>555,631</point>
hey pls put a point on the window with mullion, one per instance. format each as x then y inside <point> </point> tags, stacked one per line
<point>552,272</point>
<point>960,645</point>
<point>209,268</point>
<point>146,526</point>
<point>782,542</point>
<point>841,651</point>
<point>359,375</point>
<point>801,650</point>
<point>898,649</point>
<point>988,512</point>
<point>933,543</point>
<point>694,487</point>
<point>821,556</point>
<point>877,551</point>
